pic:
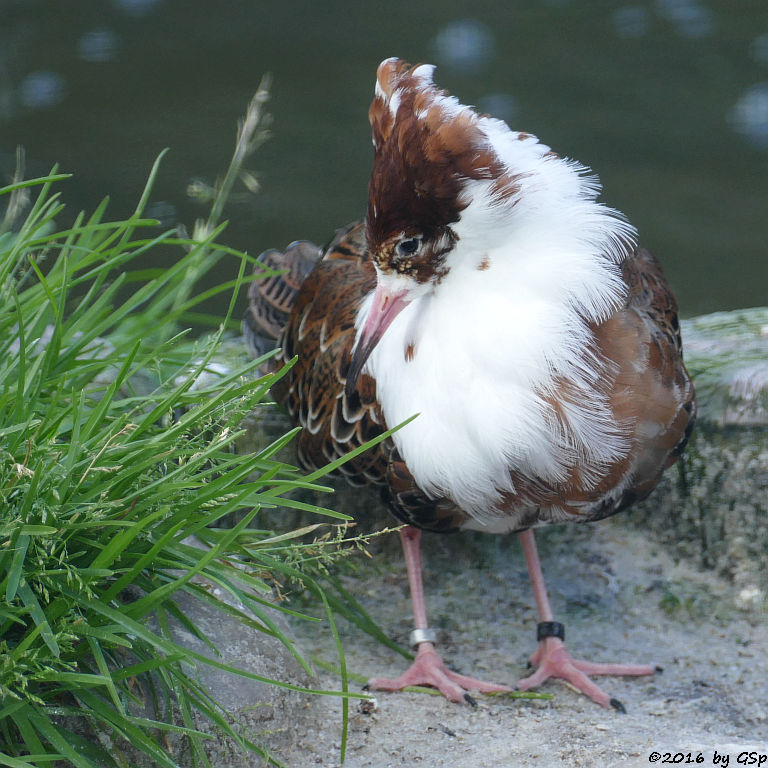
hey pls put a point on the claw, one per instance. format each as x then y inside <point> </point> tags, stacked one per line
<point>618,706</point>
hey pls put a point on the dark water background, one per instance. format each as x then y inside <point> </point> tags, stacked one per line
<point>667,100</point>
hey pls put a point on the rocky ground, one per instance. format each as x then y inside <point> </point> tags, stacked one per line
<point>621,597</point>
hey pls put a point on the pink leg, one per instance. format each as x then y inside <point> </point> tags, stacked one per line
<point>552,657</point>
<point>428,668</point>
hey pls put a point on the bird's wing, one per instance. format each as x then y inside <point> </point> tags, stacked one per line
<point>651,388</point>
<point>311,311</point>
<point>654,304</point>
<point>271,298</point>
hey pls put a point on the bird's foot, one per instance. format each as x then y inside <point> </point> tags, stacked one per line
<point>429,669</point>
<point>554,660</point>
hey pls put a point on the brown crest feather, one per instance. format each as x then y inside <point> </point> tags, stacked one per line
<point>424,158</point>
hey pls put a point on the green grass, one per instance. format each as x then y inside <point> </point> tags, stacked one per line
<point>115,451</point>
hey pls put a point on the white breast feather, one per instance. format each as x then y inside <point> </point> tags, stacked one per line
<point>489,342</point>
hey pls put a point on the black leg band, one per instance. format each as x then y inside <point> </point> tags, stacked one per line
<point>550,629</point>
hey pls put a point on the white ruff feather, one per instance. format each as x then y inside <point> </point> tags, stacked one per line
<point>506,323</point>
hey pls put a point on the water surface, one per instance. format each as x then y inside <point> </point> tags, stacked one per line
<point>667,100</point>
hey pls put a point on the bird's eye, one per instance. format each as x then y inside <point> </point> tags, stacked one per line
<point>409,247</point>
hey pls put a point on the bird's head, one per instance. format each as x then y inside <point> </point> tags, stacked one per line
<point>428,149</point>
<point>445,189</point>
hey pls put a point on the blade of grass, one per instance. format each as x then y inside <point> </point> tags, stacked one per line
<point>38,616</point>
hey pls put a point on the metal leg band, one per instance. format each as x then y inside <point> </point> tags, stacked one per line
<point>550,629</point>
<point>419,636</point>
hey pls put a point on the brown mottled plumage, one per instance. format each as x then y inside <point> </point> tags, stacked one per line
<point>318,299</point>
<point>319,328</point>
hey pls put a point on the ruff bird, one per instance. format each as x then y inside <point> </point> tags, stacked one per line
<point>488,291</point>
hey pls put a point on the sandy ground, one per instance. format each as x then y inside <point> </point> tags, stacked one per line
<point>621,598</point>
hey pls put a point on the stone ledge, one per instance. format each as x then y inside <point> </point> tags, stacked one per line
<point>712,507</point>
<point>727,355</point>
